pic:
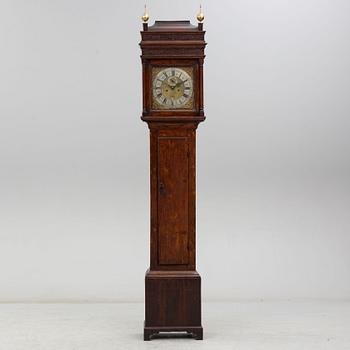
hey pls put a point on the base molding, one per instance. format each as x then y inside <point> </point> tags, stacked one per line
<point>149,332</point>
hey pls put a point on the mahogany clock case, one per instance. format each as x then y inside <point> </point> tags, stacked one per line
<point>172,284</point>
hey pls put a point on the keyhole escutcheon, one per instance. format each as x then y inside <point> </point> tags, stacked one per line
<point>161,188</point>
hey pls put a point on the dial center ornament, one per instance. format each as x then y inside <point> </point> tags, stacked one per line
<point>172,88</point>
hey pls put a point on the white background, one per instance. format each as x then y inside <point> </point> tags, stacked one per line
<point>273,165</point>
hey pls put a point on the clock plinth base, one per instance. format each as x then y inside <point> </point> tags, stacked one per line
<point>155,332</point>
<point>173,303</point>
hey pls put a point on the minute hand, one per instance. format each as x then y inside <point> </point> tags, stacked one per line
<point>181,82</point>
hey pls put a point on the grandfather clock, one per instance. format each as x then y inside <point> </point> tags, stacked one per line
<point>172,61</point>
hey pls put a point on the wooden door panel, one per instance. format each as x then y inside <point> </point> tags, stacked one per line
<point>173,230</point>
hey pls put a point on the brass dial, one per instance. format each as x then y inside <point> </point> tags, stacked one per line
<point>172,88</point>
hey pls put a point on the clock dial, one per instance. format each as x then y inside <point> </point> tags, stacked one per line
<point>172,88</point>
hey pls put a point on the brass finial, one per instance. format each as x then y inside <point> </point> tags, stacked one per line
<point>200,15</point>
<point>145,16</point>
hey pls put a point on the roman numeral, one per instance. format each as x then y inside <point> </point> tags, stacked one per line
<point>185,95</point>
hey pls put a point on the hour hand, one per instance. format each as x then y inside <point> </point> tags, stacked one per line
<point>167,85</point>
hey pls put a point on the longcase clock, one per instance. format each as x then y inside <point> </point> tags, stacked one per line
<point>172,61</point>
